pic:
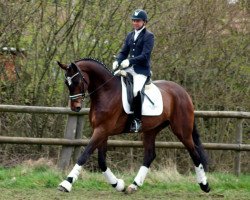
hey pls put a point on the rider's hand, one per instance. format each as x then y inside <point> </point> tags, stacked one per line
<point>125,63</point>
<point>120,72</point>
<point>115,65</point>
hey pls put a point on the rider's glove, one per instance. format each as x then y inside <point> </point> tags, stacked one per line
<point>121,72</point>
<point>115,65</point>
<point>125,63</point>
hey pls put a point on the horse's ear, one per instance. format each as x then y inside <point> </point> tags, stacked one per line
<point>63,66</point>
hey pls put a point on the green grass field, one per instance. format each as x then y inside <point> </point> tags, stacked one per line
<point>41,181</point>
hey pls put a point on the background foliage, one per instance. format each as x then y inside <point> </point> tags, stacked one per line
<point>204,45</point>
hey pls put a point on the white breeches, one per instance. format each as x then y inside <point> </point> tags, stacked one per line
<point>139,80</point>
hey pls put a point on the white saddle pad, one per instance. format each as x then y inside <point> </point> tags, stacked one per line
<point>148,109</point>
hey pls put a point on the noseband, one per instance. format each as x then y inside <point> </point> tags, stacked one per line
<point>69,81</point>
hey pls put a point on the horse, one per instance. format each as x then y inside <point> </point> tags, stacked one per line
<point>107,118</point>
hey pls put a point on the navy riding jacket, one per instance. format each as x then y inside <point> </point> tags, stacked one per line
<point>138,52</point>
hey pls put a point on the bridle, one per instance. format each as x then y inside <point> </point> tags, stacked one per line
<point>69,81</point>
<point>82,93</point>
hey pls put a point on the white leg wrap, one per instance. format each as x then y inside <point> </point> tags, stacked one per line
<point>139,179</point>
<point>74,175</point>
<point>67,185</point>
<point>75,172</point>
<point>120,185</point>
<point>200,175</point>
<point>111,179</point>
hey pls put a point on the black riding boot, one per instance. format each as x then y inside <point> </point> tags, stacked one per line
<point>137,107</point>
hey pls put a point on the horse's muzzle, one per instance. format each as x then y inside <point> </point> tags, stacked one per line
<point>77,109</point>
<point>76,106</point>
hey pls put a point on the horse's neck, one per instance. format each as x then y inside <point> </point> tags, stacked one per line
<point>104,93</point>
<point>101,81</point>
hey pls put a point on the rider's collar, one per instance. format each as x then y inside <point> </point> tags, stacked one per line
<point>138,31</point>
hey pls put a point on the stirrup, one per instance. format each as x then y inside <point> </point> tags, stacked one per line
<point>135,126</point>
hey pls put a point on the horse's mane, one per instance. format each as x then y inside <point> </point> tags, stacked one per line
<point>97,61</point>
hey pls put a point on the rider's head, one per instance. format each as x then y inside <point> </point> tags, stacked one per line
<point>139,18</point>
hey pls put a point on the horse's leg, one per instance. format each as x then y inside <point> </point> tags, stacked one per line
<point>149,156</point>
<point>118,184</point>
<point>188,135</point>
<point>96,139</point>
<point>201,165</point>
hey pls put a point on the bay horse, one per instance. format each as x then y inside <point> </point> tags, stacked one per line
<point>107,117</point>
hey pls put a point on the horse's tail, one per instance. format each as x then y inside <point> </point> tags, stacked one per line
<point>199,148</point>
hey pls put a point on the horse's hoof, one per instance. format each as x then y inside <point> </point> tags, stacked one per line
<point>205,188</point>
<point>62,189</point>
<point>130,190</point>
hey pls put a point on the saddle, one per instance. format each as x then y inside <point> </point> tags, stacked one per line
<point>152,104</point>
<point>128,80</point>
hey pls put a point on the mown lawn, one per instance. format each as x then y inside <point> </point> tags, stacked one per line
<point>41,181</point>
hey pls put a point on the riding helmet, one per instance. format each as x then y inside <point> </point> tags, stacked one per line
<point>140,14</point>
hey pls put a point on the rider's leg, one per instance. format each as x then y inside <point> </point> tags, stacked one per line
<point>137,106</point>
<point>139,81</point>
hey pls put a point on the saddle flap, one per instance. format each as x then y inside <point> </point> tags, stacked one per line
<point>152,104</point>
<point>128,81</point>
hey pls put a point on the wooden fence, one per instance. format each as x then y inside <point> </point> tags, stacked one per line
<point>74,129</point>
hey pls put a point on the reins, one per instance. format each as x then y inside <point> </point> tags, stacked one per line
<point>98,88</point>
<point>88,95</point>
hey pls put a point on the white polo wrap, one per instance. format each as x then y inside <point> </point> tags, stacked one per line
<point>200,175</point>
<point>111,179</point>
<point>109,176</point>
<point>139,179</point>
<point>75,172</point>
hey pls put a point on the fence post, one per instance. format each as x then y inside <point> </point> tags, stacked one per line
<point>237,161</point>
<point>131,159</point>
<point>66,152</point>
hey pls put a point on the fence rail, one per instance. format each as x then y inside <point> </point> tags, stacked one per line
<point>117,143</point>
<point>75,123</point>
<point>85,111</point>
<point>41,110</point>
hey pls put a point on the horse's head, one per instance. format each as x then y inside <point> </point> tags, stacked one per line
<point>76,84</point>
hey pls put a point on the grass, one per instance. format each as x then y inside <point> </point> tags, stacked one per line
<point>39,181</point>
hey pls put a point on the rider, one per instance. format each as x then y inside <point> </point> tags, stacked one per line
<point>134,58</point>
